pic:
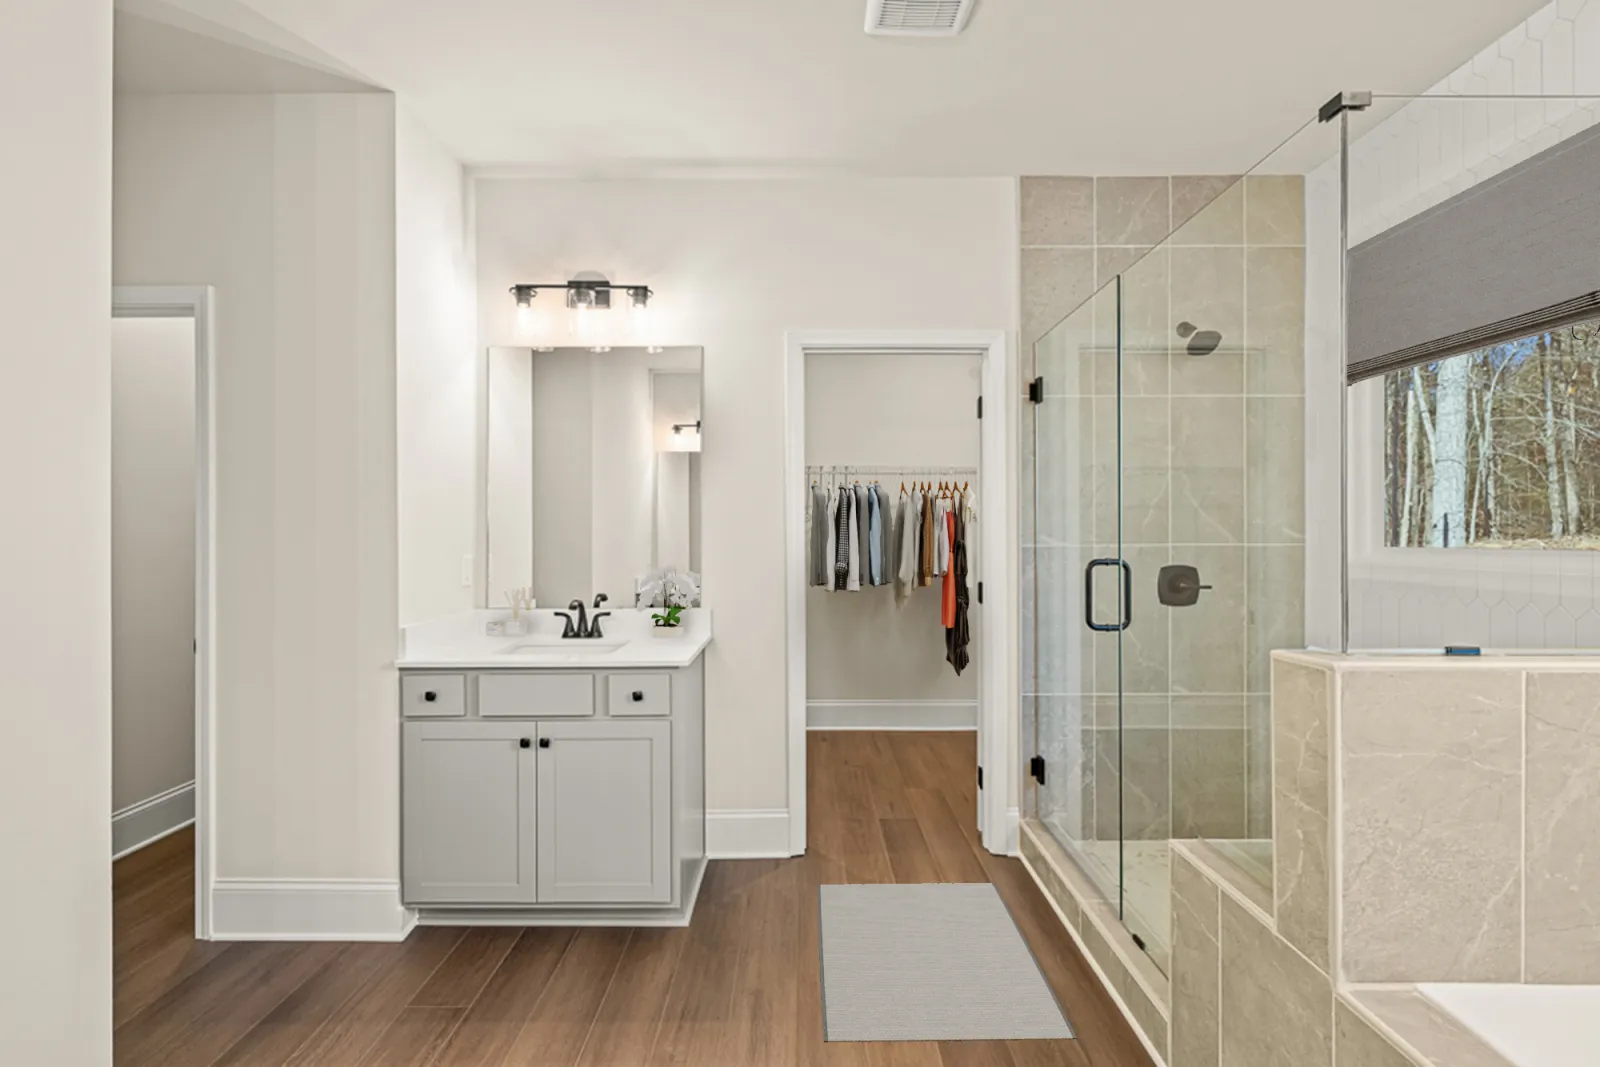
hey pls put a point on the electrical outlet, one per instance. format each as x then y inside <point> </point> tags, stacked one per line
<point>466,570</point>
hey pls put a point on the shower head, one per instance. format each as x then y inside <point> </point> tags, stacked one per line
<point>1201,342</point>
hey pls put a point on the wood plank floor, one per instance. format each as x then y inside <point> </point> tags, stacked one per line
<point>739,988</point>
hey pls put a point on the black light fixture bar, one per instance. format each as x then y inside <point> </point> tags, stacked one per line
<point>598,293</point>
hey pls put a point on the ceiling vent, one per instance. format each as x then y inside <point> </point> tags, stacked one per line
<point>918,18</point>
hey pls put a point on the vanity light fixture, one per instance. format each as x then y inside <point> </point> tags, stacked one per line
<point>585,293</point>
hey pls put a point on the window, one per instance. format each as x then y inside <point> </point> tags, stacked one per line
<point>1497,448</point>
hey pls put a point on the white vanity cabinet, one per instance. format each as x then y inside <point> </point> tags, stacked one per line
<point>605,812</point>
<point>536,807</point>
<point>469,813</point>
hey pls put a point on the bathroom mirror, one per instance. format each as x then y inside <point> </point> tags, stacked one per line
<point>593,472</point>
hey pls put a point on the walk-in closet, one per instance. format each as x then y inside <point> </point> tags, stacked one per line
<point>892,567</point>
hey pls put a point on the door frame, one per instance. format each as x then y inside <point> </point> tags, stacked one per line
<point>998,805</point>
<point>196,302</point>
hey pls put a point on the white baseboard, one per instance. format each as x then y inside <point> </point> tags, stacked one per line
<point>1013,831</point>
<point>148,821</point>
<point>891,714</point>
<point>750,834</point>
<point>331,909</point>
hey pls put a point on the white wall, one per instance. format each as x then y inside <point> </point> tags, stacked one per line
<point>152,557</point>
<point>55,568</point>
<point>1418,156</point>
<point>286,205</point>
<point>886,410</point>
<point>736,264</point>
<point>437,361</point>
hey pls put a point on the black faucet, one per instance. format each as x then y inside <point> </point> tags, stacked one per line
<point>582,629</point>
<point>586,627</point>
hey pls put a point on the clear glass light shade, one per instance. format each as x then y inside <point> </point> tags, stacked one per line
<point>686,439</point>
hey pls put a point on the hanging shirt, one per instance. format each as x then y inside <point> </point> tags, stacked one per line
<point>863,535</point>
<point>926,540</point>
<point>853,538</point>
<point>906,550</point>
<point>885,536</point>
<point>968,516</point>
<point>947,605</point>
<point>958,632</point>
<point>818,538</point>
<point>941,548</point>
<point>874,537</point>
<point>841,526</point>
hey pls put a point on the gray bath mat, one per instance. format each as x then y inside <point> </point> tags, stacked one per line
<point>933,962</point>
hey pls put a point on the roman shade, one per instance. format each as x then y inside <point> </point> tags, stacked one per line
<point>1511,256</point>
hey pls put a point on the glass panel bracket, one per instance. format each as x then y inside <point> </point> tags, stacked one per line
<point>1359,100</point>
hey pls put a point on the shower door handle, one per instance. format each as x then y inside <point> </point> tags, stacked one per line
<point>1127,596</point>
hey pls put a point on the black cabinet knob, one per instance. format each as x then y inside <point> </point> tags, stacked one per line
<point>430,696</point>
<point>544,742</point>
<point>638,695</point>
<point>525,743</point>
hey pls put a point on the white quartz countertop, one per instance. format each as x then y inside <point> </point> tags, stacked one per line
<point>461,642</point>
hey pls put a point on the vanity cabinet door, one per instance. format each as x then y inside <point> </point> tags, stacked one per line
<point>468,793</point>
<point>605,812</point>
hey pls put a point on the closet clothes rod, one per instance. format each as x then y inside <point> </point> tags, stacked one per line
<point>848,469</point>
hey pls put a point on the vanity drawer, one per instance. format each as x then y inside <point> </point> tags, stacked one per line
<point>535,696</point>
<point>433,696</point>
<point>640,694</point>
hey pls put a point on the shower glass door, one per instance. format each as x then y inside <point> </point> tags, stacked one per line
<point>1080,590</point>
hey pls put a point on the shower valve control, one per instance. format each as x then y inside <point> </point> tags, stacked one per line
<point>1178,585</point>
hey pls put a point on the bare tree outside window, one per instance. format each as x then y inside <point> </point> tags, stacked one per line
<point>1498,448</point>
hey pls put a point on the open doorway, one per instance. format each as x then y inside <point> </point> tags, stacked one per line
<point>881,660</point>
<point>162,606</point>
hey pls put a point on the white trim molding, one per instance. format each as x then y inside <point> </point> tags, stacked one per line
<point>327,909</point>
<point>891,714</point>
<point>994,654</point>
<point>153,818</point>
<point>196,302</point>
<point>748,834</point>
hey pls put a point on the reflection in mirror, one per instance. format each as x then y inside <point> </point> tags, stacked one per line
<point>593,471</point>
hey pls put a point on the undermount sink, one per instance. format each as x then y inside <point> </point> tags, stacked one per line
<point>560,647</point>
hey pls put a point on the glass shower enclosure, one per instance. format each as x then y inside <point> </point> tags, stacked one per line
<point>1165,541</point>
<point>1207,485</point>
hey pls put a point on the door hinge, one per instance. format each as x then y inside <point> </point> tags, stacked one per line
<point>980,592</point>
<point>1036,390</point>
<point>1036,768</point>
<point>980,407</point>
<point>980,777</point>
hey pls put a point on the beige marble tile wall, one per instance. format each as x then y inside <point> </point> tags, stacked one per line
<point>1244,996</point>
<point>1438,821</point>
<point>1470,819</point>
<point>1211,476</point>
<point>1139,988</point>
<point>1302,725</point>
<point>1435,822</point>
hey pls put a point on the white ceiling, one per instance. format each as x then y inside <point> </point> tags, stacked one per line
<point>153,56</point>
<point>1032,87</point>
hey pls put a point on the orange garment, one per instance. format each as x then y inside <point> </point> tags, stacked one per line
<point>948,612</point>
